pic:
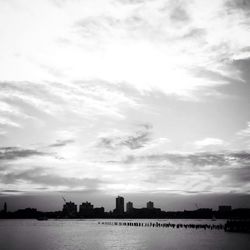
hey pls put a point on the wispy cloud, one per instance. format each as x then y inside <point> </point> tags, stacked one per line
<point>135,141</point>
<point>209,142</point>
<point>40,176</point>
<point>245,132</point>
<point>4,121</point>
<point>13,153</point>
<point>130,41</point>
<point>61,143</point>
<point>195,159</point>
<point>208,172</point>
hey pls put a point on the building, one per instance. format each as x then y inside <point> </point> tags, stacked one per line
<point>225,208</point>
<point>86,209</point>
<point>99,212</point>
<point>129,207</point>
<point>85,206</point>
<point>70,209</point>
<point>5,207</point>
<point>150,205</point>
<point>119,208</point>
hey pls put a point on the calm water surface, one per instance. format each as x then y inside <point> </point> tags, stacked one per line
<point>88,234</point>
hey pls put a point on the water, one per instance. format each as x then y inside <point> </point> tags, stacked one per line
<point>88,234</point>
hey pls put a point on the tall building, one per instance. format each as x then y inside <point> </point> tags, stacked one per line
<point>150,205</point>
<point>129,207</point>
<point>70,209</point>
<point>119,208</point>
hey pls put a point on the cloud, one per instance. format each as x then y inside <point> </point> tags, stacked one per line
<point>53,101</point>
<point>103,36</point>
<point>193,159</point>
<point>134,1</point>
<point>61,143</point>
<point>13,153</point>
<point>238,4</point>
<point>41,176</point>
<point>135,141</point>
<point>209,142</point>
<point>245,132</point>
<point>243,136</point>
<point>200,172</point>
<point>179,14</point>
<point>4,121</point>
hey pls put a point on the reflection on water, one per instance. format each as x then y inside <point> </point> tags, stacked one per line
<point>88,234</point>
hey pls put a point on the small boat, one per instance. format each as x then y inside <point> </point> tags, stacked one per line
<point>213,218</point>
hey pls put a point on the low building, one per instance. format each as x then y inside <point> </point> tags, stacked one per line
<point>86,209</point>
<point>150,205</point>
<point>70,209</point>
<point>225,209</point>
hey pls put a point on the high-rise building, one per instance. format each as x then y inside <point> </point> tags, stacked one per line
<point>150,205</point>
<point>129,207</point>
<point>119,208</point>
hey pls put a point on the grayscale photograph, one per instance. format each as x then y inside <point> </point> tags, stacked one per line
<point>124,124</point>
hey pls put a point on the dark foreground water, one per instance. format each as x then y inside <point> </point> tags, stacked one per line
<point>88,234</point>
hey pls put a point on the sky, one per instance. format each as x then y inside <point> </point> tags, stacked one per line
<point>148,99</point>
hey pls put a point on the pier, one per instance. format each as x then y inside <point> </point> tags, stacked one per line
<point>240,226</point>
<point>165,225</point>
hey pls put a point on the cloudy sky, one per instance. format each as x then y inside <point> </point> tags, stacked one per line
<point>142,98</point>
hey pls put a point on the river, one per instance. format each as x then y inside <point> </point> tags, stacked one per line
<point>89,235</point>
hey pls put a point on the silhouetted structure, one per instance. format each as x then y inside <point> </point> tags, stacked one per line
<point>225,209</point>
<point>147,213</point>
<point>5,207</point>
<point>70,209</point>
<point>86,209</point>
<point>119,205</point>
<point>129,207</point>
<point>99,212</point>
<point>150,205</point>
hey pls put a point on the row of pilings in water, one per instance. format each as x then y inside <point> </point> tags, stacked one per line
<point>165,225</point>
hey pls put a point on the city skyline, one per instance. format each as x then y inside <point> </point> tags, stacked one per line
<point>119,208</point>
<point>146,99</point>
<point>119,205</point>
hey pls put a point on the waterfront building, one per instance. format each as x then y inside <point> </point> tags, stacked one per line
<point>70,209</point>
<point>225,208</point>
<point>150,205</point>
<point>86,209</point>
<point>85,206</point>
<point>119,208</point>
<point>129,207</point>
<point>5,207</point>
